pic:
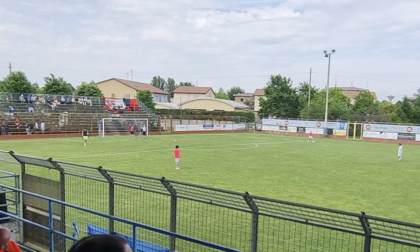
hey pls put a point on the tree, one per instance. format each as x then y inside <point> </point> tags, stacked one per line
<point>234,90</point>
<point>222,95</point>
<point>16,82</point>
<point>187,84</point>
<point>250,103</point>
<point>170,87</point>
<point>303,91</point>
<point>88,89</point>
<point>36,89</point>
<point>58,86</point>
<point>339,105</point>
<point>364,103</point>
<point>158,82</point>
<point>146,97</point>
<point>281,99</point>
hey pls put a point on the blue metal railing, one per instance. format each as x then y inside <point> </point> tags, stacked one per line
<point>134,225</point>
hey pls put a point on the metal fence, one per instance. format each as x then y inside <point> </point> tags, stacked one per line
<point>238,221</point>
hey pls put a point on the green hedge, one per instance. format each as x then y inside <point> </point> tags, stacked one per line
<point>248,115</point>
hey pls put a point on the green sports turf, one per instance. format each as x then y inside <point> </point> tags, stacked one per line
<point>340,174</point>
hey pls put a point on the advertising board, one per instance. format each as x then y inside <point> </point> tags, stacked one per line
<point>301,123</point>
<point>371,134</point>
<point>337,132</point>
<point>406,136</point>
<point>292,129</point>
<point>391,128</point>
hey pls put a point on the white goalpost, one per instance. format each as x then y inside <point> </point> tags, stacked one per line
<point>121,126</point>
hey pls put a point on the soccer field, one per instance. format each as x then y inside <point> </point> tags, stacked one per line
<point>341,174</point>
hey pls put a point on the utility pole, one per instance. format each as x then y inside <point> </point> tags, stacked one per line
<point>132,74</point>
<point>10,68</point>
<point>309,96</point>
<point>327,55</point>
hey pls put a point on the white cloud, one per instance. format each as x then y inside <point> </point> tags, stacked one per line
<point>215,42</point>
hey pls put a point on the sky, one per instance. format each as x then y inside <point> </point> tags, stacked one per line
<point>216,43</point>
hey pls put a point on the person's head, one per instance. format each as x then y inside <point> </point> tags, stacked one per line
<point>101,243</point>
<point>5,236</point>
<point>177,147</point>
<point>400,144</point>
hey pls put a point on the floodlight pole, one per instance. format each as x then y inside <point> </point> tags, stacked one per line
<point>327,54</point>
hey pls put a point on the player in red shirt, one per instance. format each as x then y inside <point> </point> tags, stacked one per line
<point>311,137</point>
<point>177,154</point>
<point>131,130</point>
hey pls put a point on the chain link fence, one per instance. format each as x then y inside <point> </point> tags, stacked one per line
<point>234,220</point>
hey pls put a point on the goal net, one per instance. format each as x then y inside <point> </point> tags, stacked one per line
<point>121,126</point>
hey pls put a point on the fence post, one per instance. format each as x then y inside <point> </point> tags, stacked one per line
<point>62,198</point>
<point>368,231</point>
<point>19,211</point>
<point>111,198</point>
<point>173,219</point>
<point>254,208</point>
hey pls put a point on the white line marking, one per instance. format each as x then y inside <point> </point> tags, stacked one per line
<point>215,147</point>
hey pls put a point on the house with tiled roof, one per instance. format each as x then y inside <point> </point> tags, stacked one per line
<point>352,92</point>
<point>185,93</point>
<point>244,97</point>
<point>257,95</point>
<point>119,88</point>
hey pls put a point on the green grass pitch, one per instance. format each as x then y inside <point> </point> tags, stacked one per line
<point>341,174</point>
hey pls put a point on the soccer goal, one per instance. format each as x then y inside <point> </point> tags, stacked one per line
<point>121,126</point>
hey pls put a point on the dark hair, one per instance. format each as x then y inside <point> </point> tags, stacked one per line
<point>99,243</point>
<point>177,146</point>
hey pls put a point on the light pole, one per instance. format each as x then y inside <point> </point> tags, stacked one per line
<point>327,55</point>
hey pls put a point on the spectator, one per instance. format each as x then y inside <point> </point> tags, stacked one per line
<point>17,123</point>
<point>103,99</point>
<point>31,110</point>
<point>68,100</point>
<point>1,130</point>
<point>36,128</point>
<point>33,99</point>
<point>73,100</point>
<point>5,243</point>
<point>28,129</point>
<point>53,105</point>
<point>55,99</point>
<point>101,243</point>
<point>48,99</point>
<point>42,127</point>
<point>11,111</point>
<point>63,100</point>
<point>85,100</point>
<point>29,98</point>
<point>6,128</point>
<point>22,99</point>
<point>89,101</point>
<point>7,98</point>
<point>41,100</point>
<point>37,99</point>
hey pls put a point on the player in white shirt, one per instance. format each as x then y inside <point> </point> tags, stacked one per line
<point>42,127</point>
<point>400,152</point>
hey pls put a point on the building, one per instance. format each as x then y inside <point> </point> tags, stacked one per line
<point>119,88</point>
<point>243,97</point>
<point>352,92</point>
<point>185,93</point>
<point>166,105</point>
<point>212,104</point>
<point>257,95</point>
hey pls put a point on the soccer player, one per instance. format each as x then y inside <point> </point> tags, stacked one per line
<point>311,137</point>
<point>177,154</point>
<point>143,131</point>
<point>85,135</point>
<point>400,152</point>
<point>131,130</point>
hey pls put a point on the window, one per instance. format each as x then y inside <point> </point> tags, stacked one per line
<point>127,96</point>
<point>195,96</point>
<point>242,99</point>
<point>112,95</point>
